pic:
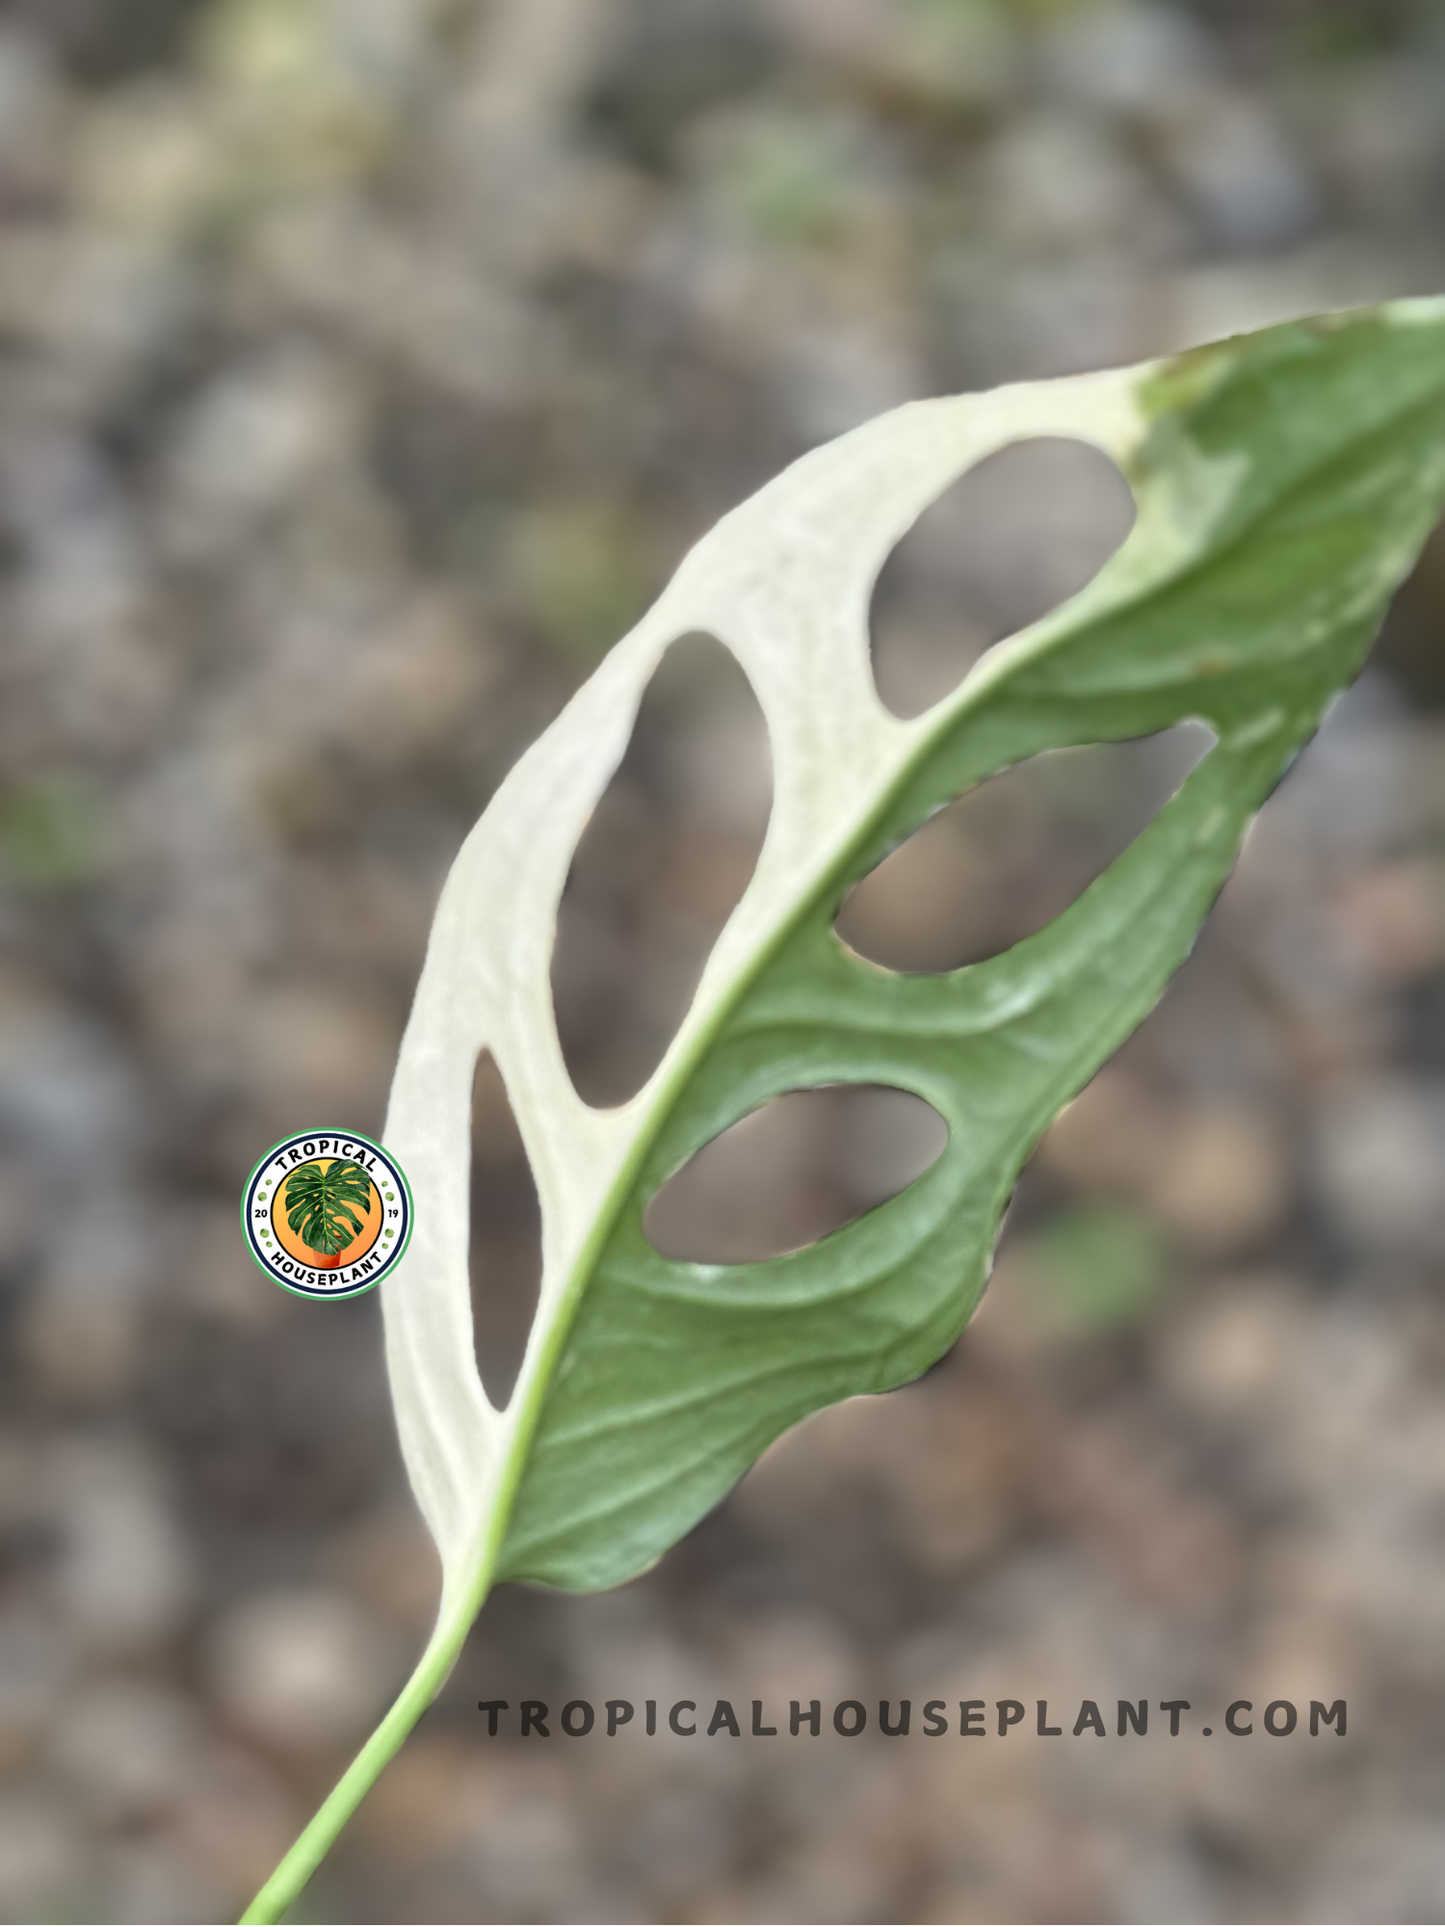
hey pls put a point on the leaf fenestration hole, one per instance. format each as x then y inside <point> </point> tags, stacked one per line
<point>1011,855</point>
<point>505,1252</point>
<point>659,869</point>
<point>1011,539</point>
<point>1409,649</point>
<point>798,1167</point>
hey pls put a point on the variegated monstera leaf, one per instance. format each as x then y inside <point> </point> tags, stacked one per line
<point>1284,482</point>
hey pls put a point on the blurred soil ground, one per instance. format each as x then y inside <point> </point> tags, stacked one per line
<point>364,370</point>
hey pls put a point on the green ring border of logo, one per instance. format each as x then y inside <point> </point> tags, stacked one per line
<point>357,1291</point>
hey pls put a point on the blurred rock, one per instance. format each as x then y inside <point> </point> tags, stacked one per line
<point>1377,1164</point>
<point>151,1878</point>
<point>232,1826</point>
<point>123,1577</point>
<point>856,1862</point>
<point>129,1747</point>
<point>525,1847</point>
<point>1171,1881</point>
<point>949,1459</point>
<point>806,1481</point>
<point>80,1343</point>
<point>1231,1353</point>
<point>1234,295</point>
<point>1357,794</point>
<point>1225,1181</point>
<point>34,1665</point>
<point>1057,180</point>
<point>29,94</point>
<point>1391,919</point>
<point>842,375</point>
<point>678,1842</point>
<point>302,1671</point>
<point>64,1090</point>
<point>932,56</point>
<point>1240,173</point>
<point>1380,136</point>
<point>847,28</point>
<point>80,1331</point>
<point>429,1803</point>
<point>213,1275</point>
<point>785,1655</point>
<point>388,1560</point>
<point>311,1051</point>
<point>43,1871</point>
<point>251,441</point>
<point>1129,58</point>
<point>1114,1137</point>
<point>20,1215</point>
<point>1164,1540</point>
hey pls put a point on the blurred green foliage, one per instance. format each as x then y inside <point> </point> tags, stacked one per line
<point>580,574</point>
<point>52,831</point>
<point>789,179</point>
<point>1099,1265</point>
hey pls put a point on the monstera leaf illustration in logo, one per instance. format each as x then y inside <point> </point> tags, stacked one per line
<point>319,1200</point>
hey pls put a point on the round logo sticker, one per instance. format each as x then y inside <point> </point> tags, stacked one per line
<point>326,1213</point>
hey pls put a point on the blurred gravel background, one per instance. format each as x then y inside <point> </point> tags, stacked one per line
<point>364,370</point>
